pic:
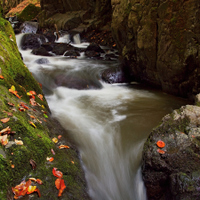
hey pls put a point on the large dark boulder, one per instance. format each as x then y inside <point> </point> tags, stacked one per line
<point>77,81</point>
<point>32,41</point>
<point>41,51</point>
<point>173,172</point>
<point>61,48</point>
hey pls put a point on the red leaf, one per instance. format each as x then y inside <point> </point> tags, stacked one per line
<point>160,151</point>
<point>60,185</point>
<point>57,173</point>
<point>32,92</point>
<point>160,143</point>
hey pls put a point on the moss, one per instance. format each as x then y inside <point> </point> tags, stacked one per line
<point>29,13</point>
<point>37,141</point>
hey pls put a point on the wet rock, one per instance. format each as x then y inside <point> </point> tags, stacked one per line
<point>92,54</point>
<point>77,82</point>
<point>115,75</point>
<point>72,54</point>
<point>48,46</point>
<point>32,41</point>
<point>61,48</point>
<point>41,51</point>
<point>94,47</point>
<point>29,27</point>
<point>42,61</point>
<point>174,174</point>
<point>50,36</point>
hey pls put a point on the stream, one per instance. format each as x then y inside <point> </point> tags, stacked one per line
<point>109,125</point>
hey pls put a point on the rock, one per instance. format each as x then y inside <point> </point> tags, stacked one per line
<point>32,41</point>
<point>72,53</point>
<point>61,48</point>
<point>41,51</point>
<point>42,61</point>
<point>29,27</point>
<point>50,36</point>
<point>92,54</point>
<point>77,82</point>
<point>174,174</point>
<point>115,75</point>
<point>94,47</point>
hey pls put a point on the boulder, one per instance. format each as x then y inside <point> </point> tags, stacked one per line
<point>173,172</point>
<point>29,27</point>
<point>32,41</point>
<point>41,51</point>
<point>72,54</point>
<point>61,48</point>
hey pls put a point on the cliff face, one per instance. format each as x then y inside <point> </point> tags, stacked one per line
<point>159,41</point>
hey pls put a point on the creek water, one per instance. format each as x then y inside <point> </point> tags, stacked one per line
<point>109,125</point>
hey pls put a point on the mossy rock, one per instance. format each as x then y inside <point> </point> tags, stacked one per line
<point>29,13</point>
<point>37,137</point>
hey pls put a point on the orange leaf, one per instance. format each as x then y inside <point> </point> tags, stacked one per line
<point>57,173</point>
<point>39,181</point>
<point>55,140</point>
<point>31,189</point>
<point>1,77</point>
<point>5,120</point>
<point>50,159</point>
<point>7,129</point>
<point>32,92</point>
<point>160,143</point>
<point>160,151</point>
<point>63,147</point>
<point>40,97</point>
<point>60,185</point>
<point>4,140</point>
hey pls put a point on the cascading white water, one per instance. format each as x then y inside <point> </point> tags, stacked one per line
<point>109,124</point>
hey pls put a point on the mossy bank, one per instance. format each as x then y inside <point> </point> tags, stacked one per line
<point>35,127</point>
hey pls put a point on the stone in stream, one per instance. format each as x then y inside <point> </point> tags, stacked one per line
<point>41,51</point>
<point>175,172</point>
<point>77,82</point>
<point>32,41</point>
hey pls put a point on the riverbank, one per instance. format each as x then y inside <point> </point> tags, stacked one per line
<point>27,131</point>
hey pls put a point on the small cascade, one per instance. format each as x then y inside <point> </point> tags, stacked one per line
<point>76,39</point>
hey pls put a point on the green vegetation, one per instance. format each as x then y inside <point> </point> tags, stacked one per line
<point>29,13</point>
<point>37,141</point>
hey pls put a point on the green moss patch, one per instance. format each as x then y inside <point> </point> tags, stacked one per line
<point>37,137</point>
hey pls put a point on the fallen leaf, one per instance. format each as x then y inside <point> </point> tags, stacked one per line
<point>8,113</point>
<point>33,102</point>
<point>160,143</point>
<point>72,162</point>
<point>4,140</point>
<point>18,142</point>
<point>60,185</point>
<point>13,91</point>
<point>5,120</point>
<point>59,137</point>
<point>32,124</point>
<point>24,105</point>
<point>39,181</point>
<point>32,179</point>
<point>160,151</point>
<point>63,147</point>
<point>13,166</point>
<point>32,92</point>
<point>40,97</point>
<point>45,115</point>
<point>22,109</point>
<point>7,129</point>
<point>53,152</point>
<point>50,159</point>
<point>57,173</point>
<point>55,140</point>
<point>11,104</point>
<point>33,164</point>
<point>1,77</point>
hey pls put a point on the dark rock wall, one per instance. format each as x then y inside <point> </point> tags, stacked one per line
<point>159,40</point>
